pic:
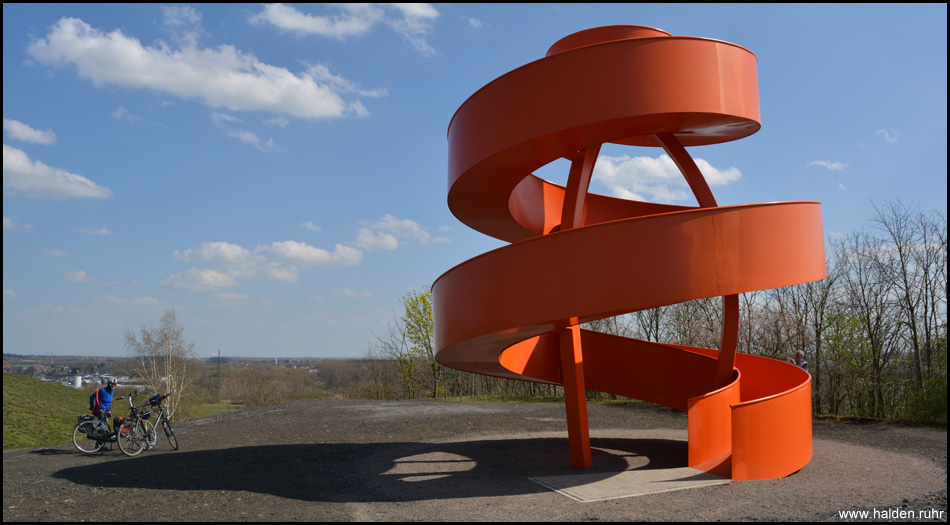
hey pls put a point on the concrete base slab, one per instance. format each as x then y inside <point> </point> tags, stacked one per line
<point>603,486</point>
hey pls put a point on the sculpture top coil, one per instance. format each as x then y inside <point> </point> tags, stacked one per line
<point>577,257</point>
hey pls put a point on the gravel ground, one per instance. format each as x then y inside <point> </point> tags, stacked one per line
<point>438,461</point>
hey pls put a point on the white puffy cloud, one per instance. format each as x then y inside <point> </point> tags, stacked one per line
<point>197,280</point>
<point>355,20</point>
<point>19,131</point>
<point>23,176</point>
<point>388,231</point>
<point>281,260</point>
<point>237,261</point>
<point>371,240</point>
<point>409,20</point>
<point>654,179</point>
<point>403,228</point>
<point>222,77</point>
<point>303,253</point>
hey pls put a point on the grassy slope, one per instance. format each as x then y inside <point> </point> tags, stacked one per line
<point>37,413</point>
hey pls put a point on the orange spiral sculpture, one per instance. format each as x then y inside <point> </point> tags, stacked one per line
<point>577,257</point>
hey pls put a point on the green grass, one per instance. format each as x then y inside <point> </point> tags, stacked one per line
<point>39,414</point>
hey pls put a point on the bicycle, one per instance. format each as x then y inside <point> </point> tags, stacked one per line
<point>163,421</point>
<point>136,433</point>
<point>91,434</point>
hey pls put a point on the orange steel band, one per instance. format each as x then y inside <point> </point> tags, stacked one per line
<point>577,257</point>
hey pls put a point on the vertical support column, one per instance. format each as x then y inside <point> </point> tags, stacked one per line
<point>729,341</point>
<point>575,396</point>
<point>572,356</point>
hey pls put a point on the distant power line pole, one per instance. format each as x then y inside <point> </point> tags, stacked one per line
<point>218,377</point>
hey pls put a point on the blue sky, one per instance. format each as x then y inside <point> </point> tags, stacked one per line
<point>277,173</point>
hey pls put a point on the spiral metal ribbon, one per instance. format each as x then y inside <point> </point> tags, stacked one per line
<point>576,257</point>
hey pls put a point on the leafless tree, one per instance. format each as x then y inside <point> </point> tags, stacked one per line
<point>165,361</point>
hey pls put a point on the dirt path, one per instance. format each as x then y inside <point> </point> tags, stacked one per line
<point>437,461</point>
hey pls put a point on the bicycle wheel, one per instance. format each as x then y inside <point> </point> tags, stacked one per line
<point>150,433</point>
<point>132,438</point>
<point>169,433</point>
<point>84,444</point>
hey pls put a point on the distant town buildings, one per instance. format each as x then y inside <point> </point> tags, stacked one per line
<point>67,378</point>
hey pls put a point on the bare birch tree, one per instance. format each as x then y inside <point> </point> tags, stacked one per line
<point>164,360</point>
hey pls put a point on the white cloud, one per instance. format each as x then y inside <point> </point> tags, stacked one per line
<point>100,231</point>
<point>403,228</point>
<point>654,179</point>
<point>22,176</point>
<point>196,280</point>
<point>225,121</point>
<point>19,131</point>
<point>222,77</point>
<point>414,25</point>
<point>215,251</point>
<point>890,136</point>
<point>280,260</point>
<point>252,139</point>
<point>79,276</point>
<point>409,20</point>
<point>237,261</point>
<point>278,121</point>
<point>831,165</point>
<point>321,73</point>
<point>350,293</point>
<point>219,118</point>
<point>369,240</point>
<point>10,223</point>
<point>183,23</point>
<point>9,293</point>
<point>309,225</point>
<point>474,22</point>
<point>355,20</point>
<point>303,253</point>
<point>385,234</point>
<point>123,114</point>
<point>55,253</point>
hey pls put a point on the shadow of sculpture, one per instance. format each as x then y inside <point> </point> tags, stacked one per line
<point>374,472</point>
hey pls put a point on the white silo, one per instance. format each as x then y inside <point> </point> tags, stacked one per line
<point>77,381</point>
